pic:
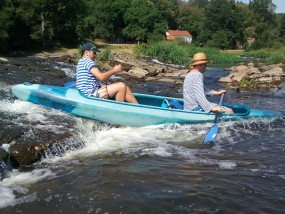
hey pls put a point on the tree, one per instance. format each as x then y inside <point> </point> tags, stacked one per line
<point>191,18</point>
<point>264,18</point>
<point>223,16</point>
<point>169,11</point>
<point>144,22</point>
<point>7,12</point>
<point>282,27</point>
<point>45,22</point>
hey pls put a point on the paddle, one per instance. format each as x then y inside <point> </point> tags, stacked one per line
<point>212,133</point>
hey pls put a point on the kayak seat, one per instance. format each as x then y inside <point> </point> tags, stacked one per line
<point>174,104</point>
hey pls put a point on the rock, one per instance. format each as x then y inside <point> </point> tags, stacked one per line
<point>227,79</point>
<point>168,80</point>
<point>3,155</point>
<point>273,81</point>
<point>29,148</point>
<point>9,132</point>
<point>3,59</point>
<point>239,68</point>
<point>179,82</point>
<point>150,79</point>
<point>265,77</point>
<point>138,72</point>
<point>276,71</point>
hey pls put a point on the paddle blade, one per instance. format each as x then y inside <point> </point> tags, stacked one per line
<point>211,135</point>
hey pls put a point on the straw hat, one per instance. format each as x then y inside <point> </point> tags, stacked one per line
<point>199,58</point>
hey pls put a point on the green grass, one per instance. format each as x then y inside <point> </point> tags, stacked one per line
<point>180,52</point>
<point>278,56</point>
<point>270,55</point>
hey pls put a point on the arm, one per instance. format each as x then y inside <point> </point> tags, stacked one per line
<point>217,93</point>
<point>103,76</point>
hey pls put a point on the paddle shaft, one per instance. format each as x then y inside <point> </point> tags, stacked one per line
<point>212,133</point>
<point>220,103</point>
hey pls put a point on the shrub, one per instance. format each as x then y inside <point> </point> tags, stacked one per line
<point>278,56</point>
<point>181,52</point>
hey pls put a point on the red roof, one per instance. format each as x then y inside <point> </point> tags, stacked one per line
<point>170,37</point>
<point>178,33</point>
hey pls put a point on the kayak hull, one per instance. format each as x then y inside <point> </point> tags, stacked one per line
<point>148,112</point>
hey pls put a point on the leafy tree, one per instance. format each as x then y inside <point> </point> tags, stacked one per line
<point>169,11</point>
<point>103,19</point>
<point>191,18</point>
<point>199,3</point>
<point>45,22</point>
<point>7,12</point>
<point>223,16</point>
<point>265,30</point>
<point>282,28</point>
<point>144,22</point>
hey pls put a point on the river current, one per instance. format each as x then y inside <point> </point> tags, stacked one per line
<point>155,169</point>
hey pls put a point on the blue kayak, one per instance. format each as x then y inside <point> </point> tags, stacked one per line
<point>151,109</point>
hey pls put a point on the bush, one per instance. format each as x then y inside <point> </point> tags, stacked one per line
<point>271,55</point>
<point>262,54</point>
<point>278,56</point>
<point>105,55</point>
<point>181,52</point>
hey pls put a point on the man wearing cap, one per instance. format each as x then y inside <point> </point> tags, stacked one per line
<point>88,76</point>
<point>193,88</point>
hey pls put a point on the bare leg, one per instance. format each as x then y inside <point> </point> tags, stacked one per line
<point>121,92</point>
<point>130,97</point>
<point>117,90</point>
<point>229,111</point>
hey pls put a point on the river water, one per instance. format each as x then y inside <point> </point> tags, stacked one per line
<point>156,169</point>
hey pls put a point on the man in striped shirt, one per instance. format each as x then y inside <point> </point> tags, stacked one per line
<point>193,88</point>
<point>88,76</point>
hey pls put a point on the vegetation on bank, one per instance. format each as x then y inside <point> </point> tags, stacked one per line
<point>180,52</point>
<point>271,55</point>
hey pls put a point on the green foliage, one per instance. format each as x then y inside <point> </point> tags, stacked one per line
<point>27,24</point>
<point>223,25</point>
<point>180,52</point>
<point>6,20</point>
<point>261,54</point>
<point>246,84</point>
<point>264,23</point>
<point>105,54</point>
<point>271,55</point>
<point>144,22</point>
<point>278,56</point>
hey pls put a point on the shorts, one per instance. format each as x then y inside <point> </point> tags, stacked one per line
<point>214,104</point>
<point>100,93</point>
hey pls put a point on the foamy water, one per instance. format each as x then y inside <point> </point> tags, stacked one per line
<point>17,183</point>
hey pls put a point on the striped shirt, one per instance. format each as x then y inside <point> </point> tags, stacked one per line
<point>193,92</point>
<point>86,81</point>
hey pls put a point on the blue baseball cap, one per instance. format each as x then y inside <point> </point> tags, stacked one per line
<point>90,47</point>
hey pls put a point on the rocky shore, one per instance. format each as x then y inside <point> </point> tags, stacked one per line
<point>26,151</point>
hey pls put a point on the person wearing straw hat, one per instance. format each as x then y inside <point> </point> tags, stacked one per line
<point>193,88</point>
<point>88,76</point>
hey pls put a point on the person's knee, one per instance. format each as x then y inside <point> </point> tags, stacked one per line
<point>229,111</point>
<point>121,85</point>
